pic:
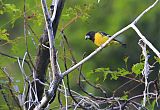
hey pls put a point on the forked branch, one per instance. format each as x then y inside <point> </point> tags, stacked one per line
<point>132,25</point>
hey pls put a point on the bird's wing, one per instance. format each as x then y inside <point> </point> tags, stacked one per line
<point>104,34</point>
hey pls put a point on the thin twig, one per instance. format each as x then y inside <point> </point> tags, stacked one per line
<point>145,40</point>
<point>15,88</point>
<point>4,95</point>
<point>50,33</point>
<point>14,57</point>
<point>65,65</point>
<point>145,71</point>
<point>25,34</point>
<point>70,22</point>
<point>57,78</point>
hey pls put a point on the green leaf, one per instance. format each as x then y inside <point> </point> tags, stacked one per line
<point>4,35</point>
<point>12,11</point>
<point>124,97</point>
<point>120,72</point>
<point>137,68</point>
<point>126,59</point>
<point>153,104</point>
<point>114,74</point>
<point>97,79</point>
<point>79,11</point>
<point>11,8</point>
<point>157,59</point>
<point>2,75</point>
<point>123,71</point>
<point>105,75</point>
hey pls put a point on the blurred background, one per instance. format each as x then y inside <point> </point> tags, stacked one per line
<point>78,18</point>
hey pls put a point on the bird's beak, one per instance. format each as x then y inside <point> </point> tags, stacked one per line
<point>87,37</point>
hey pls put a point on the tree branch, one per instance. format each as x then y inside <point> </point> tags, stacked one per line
<point>50,29</point>
<point>115,35</point>
<point>145,40</point>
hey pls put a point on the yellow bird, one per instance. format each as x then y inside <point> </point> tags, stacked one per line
<point>100,38</point>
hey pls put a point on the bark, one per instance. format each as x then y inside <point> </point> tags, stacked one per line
<point>42,59</point>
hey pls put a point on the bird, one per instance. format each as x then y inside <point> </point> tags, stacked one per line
<point>99,38</point>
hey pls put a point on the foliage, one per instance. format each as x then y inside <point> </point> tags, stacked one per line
<point>81,11</point>
<point>11,10</point>
<point>4,35</point>
<point>157,59</point>
<point>114,74</point>
<point>137,68</point>
<point>103,15</point>
<point>120,72</point>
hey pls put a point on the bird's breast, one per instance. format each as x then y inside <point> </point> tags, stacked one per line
<point>99,39</point>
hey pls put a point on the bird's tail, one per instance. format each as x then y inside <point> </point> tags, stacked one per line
<point>121,43</point>
<point>124,45</point>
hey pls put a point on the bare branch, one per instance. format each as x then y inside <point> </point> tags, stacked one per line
<point>145,71</point>
<point>144,12</point>
<point>14,57</point>
<point>25,34</point>
<point>145,40</point>
<point>13,89</point>
<point>57,78</point>
<point>43,54</point>
<point>50,36</point>
<point>54,3</point>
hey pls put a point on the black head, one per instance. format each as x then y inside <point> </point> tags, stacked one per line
<point>90,35</point>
